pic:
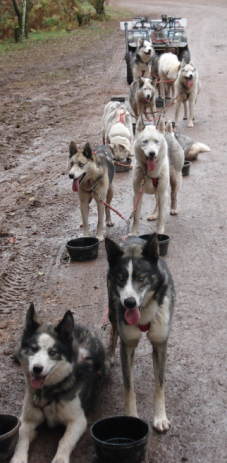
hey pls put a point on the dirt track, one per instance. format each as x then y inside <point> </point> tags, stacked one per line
<point>54,94</point>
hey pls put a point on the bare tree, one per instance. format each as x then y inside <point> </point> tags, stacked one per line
<point>22,10</point>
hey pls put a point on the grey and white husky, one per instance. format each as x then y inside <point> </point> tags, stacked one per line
<point>142,97</point>
<point>62,365</point>
<point>141,299</point>
<point>191,148</point>
<point>92,173</point>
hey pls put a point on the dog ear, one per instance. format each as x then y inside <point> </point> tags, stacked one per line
<point>113,250</point>
<point>87,151</point>
<point>72,149</point>
<point>31,323</point>
<point>151,248</point>
<point>141,81</point>
<point>65,327</point>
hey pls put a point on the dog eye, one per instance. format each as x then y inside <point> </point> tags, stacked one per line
<point>32,349</point>
<point>81,165</point>
<point>156,141</point>
<point>120,278</point>
<point>145,142</point>
<point>53,352</point>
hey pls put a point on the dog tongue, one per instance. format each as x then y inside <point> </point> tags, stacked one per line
<point>132,316</point>
<point>75,185</point>
<point>151,165</point>
<point>189,83</point>
<point>37,383</point>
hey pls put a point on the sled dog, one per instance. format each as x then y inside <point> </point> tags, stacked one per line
<point>141,299</point>
<point>92,174</point>
<point>63,365</point>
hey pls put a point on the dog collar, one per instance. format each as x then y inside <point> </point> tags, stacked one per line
<point>144,328</point>
<point>154,180</point>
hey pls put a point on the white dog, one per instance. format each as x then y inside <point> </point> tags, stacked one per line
<point>151,174</point>
<point>187,89</point>
<point>117,130</point>
<point>168,69</point>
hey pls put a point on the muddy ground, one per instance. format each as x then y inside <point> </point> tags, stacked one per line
<point>51,93</point>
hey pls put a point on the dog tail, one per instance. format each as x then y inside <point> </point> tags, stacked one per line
<point>197,148</point>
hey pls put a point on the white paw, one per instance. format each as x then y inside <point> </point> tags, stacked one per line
<point>173,212</point>
<point>100,237</point>
<point>152,217</point>
<point>161,424</point>
<point>190,124</point>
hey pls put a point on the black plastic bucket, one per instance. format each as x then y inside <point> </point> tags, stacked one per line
<point>186,168</point>
<point>120,439</point>
<point>9,432</point>
<point>163,243</point>
<point>81,249</point>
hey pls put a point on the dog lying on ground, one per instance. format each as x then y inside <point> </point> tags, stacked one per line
<point>92,173</point>
<point>117,130</point>
<point>191,148</point>
<point>187,89</point>
<point>151,174</point>
<point>141,299</point>
<point>168,69</point>
<point>141,61</point>
<point>142,97</point>
<point>63,366</point>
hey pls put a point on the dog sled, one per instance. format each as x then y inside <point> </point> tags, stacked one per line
<point>167,34</point>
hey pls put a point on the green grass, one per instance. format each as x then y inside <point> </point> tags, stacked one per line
<point>95,28</point>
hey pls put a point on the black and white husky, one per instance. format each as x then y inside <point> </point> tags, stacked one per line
<point>141,298</point>
<point>63,365</point>
<point>141,62</point>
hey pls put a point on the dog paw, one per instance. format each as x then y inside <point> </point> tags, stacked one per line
<point>100,237</point>
<point>152,217</point>
<point>184,118</point>
<point>109,224</point>
<point>190,124</point>
<point>161,424</point>
<point>173,212</point>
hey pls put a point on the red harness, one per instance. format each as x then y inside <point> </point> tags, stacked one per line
<point>144,328</point>
<point>155,181</point>
<point>122,117</point>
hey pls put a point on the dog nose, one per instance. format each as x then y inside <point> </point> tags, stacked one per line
<point>71,176</point>
<point>151,154</point>
<point>37,369</point>
<point>130,302</point>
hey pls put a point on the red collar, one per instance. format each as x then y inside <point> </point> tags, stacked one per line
<point>122,118</point>
<point>155,181</point>
<point>144,327</point>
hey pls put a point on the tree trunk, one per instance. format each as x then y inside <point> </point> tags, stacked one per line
<point>23,19</point>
